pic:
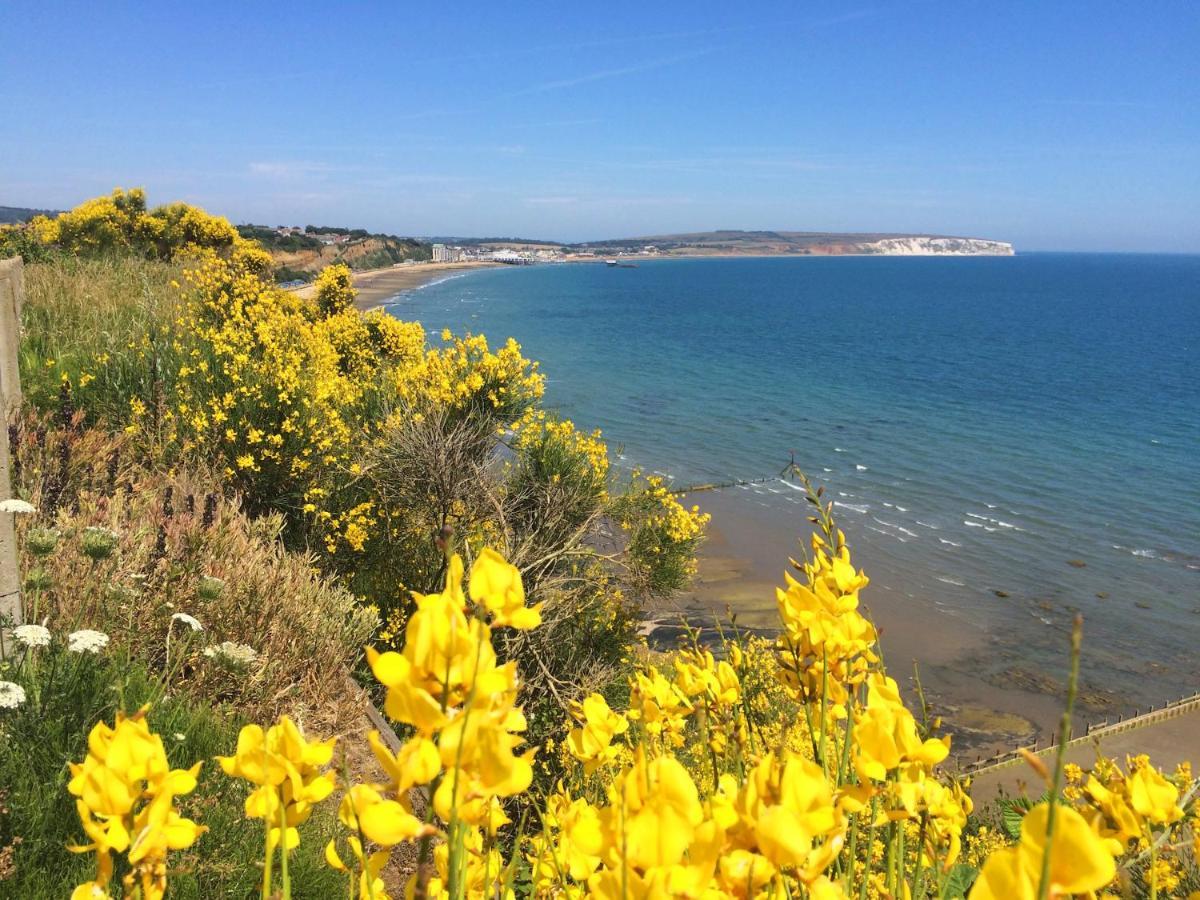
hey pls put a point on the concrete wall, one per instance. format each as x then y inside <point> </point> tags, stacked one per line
<point>12,296</point>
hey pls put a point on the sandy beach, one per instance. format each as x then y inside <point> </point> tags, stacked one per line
<point>377,285</point>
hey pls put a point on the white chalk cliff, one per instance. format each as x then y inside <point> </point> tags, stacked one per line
<point>938,246</point>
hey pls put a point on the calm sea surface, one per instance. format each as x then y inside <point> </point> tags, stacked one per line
<point>1026,425</point>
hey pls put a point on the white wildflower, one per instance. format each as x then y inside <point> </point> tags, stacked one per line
<point>238,654</point>
<point>32,635</point>
<point>190,621</point>
<point>19,507</point>
<point>11,695</point>
<point>87,641</point>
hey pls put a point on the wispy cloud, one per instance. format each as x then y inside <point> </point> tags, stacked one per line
<point>807,23</point>
<point>563,200</point>
<point>605,74</point>
<point>288,168</point>
<point>1097,102</point>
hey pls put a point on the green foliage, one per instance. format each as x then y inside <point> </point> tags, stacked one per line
<point>1012,812</point>
<point>273,240</point>
<point>959,882</point>
<point>68,693</point>
<point>287,273</point>
<point>22,242</point>
<point>663,536</point>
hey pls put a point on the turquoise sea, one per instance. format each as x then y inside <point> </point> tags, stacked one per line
<point>1007,440</point>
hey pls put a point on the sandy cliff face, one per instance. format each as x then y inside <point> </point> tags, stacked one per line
<point>313,260</point>
<point>938,246</point>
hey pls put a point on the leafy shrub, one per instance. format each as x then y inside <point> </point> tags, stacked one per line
<point>663,534</point>
<point>121,223</point>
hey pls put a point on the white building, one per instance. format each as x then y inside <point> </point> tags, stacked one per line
<point>441,253</point>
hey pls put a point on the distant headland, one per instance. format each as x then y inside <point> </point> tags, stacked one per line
<point>805,243</point>
<point>723,243</point>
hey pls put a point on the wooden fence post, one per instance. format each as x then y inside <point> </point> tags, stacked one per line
<point>12,295</point>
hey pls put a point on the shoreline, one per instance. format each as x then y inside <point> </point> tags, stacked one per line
<point>376,285</point>
<point>742,563</point>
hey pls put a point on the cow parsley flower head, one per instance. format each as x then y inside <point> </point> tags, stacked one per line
<point>87,641</point>
<point>42,541</point>
<point>17,507</point>
<point>11,695</point>
<point>237,655</point>
<point>32,635</point>
<point>98,542</point>
<point>190,621</point>
<point>210,587</point>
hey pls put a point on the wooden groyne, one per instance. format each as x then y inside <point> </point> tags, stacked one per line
<point>716,486</point>
<point>1093,732</point>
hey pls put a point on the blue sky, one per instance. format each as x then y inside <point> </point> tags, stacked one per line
<point>1055,125</point>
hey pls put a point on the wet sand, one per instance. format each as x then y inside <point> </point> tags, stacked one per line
<point>743,561</point>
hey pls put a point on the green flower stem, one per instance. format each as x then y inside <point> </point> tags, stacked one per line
<point>283,850</point>
<point>1064,738</point>
<point>268,859</point>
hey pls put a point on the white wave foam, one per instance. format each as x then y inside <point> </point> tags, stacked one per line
<point>899,528</point>
<point>951,543</point>
<point>927,525</point>
<point>853,507</point>
<point>997,522</point>
<point>428,284</point>
<point>945,580</point>
<point>838,450</point>
<point>897,537</point>
<point>860,467</point>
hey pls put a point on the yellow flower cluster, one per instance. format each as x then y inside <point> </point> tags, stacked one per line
<point>678,523</point>
<point>663,535</point>
<point>261,384</point>
<point>334,289</point>
<point>121,221</point>
<point>400,343</point>
<point>448,685</point>
<point>687,793</point>
<point>466,373</point>
<point>544,435</point>
<point>125,795</point>
<point>290,774</point>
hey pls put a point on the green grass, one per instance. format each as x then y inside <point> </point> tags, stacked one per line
<point>78,312</point>
<point>37,814</point>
